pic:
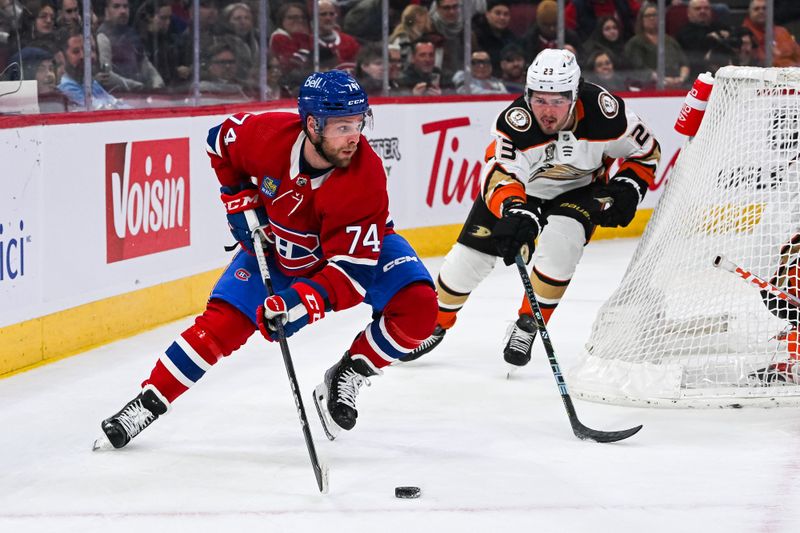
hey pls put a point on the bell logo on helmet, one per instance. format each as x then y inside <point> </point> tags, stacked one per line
<point>313,81</point>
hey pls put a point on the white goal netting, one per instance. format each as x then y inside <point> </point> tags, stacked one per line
<point>677,331</point>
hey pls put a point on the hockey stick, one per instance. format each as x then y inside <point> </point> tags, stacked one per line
<point>320,470</point>
<point>724,263</point>
<point>581,431</point>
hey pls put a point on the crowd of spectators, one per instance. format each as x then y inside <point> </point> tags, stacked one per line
<point>146,47</point>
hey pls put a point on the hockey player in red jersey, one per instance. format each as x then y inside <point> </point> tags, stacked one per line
<point>547,169</point>
<point>318,191</point>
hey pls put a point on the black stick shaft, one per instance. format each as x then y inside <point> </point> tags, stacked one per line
<point>580,431</point>
<point>319,473</point>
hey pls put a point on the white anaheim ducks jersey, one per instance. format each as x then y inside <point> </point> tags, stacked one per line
<point>549,165</point>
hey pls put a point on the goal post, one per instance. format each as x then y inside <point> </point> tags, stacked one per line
<point>677,331</point>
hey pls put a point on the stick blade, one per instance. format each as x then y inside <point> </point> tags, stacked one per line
<point>322,478</point>
<point>585,433</point>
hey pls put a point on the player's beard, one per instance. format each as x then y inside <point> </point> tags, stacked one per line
<point>334,156</point>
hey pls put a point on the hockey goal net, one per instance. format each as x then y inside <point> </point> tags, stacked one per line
<point>678,331</point>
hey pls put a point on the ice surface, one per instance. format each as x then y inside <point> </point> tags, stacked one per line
<point>489,454</point>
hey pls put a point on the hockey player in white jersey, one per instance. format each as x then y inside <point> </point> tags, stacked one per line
<point>547,175</point>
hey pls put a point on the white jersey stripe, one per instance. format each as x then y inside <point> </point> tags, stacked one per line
<point>192,353</point>
<point>374,345</point>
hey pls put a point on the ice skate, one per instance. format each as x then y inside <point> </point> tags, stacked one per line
<point>137,414</point>
<point>427,345</point>
<point>775,375</point>
<point>335,397</point>
<point>517,352</point>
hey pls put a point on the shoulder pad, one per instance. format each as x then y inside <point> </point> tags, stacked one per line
<point>603,114</point>
<point>517,123</point>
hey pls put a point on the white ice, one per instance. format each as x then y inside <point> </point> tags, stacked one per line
<point>489,454</point>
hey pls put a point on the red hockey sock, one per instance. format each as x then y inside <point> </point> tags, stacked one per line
<point>216,333</point>
<point>405,322</point>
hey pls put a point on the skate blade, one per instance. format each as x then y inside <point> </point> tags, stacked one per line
<point>328,425</point>
<point>512,370</point>
<point>102,444</point>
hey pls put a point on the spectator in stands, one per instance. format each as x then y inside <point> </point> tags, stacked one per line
<point>153,23</point>
<point>9,14</point>
<point>787,14</point>
<point>395,66</point>
<point>641,51</point>
<point>69,12</point>
<point>71,85</point>
<point>448,22</point>
<point>718,56</point>
<point>343,47</point>
<point>218,74</point>
<point>482,81</point>
<point>421,77</point>
<point>291,42</point>
<point>37,25</point>
<point>543,34</point>
<point>589,11</point>
<point>785,50</point>
<point>512,68</point>
<point>607,37</point>
<point>239,32</point>
<point>744,45</point>
<point>37,64</point>
<point>490,31</point>
<point>210,34</point>
<point>277,85</point>
<point>700,34</point>
<point>415,22</point>
<point>364,19</point>
<point>370,68</point>
<point>120,48</point>
<point>600,71</point>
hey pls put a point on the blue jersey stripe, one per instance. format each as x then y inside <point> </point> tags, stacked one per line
<point>384,345</point>
<point>184,363</point>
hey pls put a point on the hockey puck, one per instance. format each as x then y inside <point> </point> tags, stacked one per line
<point>407,492</point>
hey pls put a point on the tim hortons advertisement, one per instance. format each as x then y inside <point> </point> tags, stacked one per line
<point>147,197</point>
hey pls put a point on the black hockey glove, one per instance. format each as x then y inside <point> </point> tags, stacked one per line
<point>625,194</point>
<point>519,226</point>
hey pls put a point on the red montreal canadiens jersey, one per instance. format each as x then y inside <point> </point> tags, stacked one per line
<point>329,228</point>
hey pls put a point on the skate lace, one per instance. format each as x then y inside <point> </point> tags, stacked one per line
<point>520,339</point>
<point>427,342</point>
<point>135,417</point>
<point>349,384</point>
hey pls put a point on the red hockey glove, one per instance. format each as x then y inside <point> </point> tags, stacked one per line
<point>302,303</point>
<point>245,214</point>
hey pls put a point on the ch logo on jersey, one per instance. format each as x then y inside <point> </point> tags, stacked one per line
<point>296,250</point>
<point>608,105</point>
<point>242,274</point>
<point>518,118</point>
<point>269,186</point>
